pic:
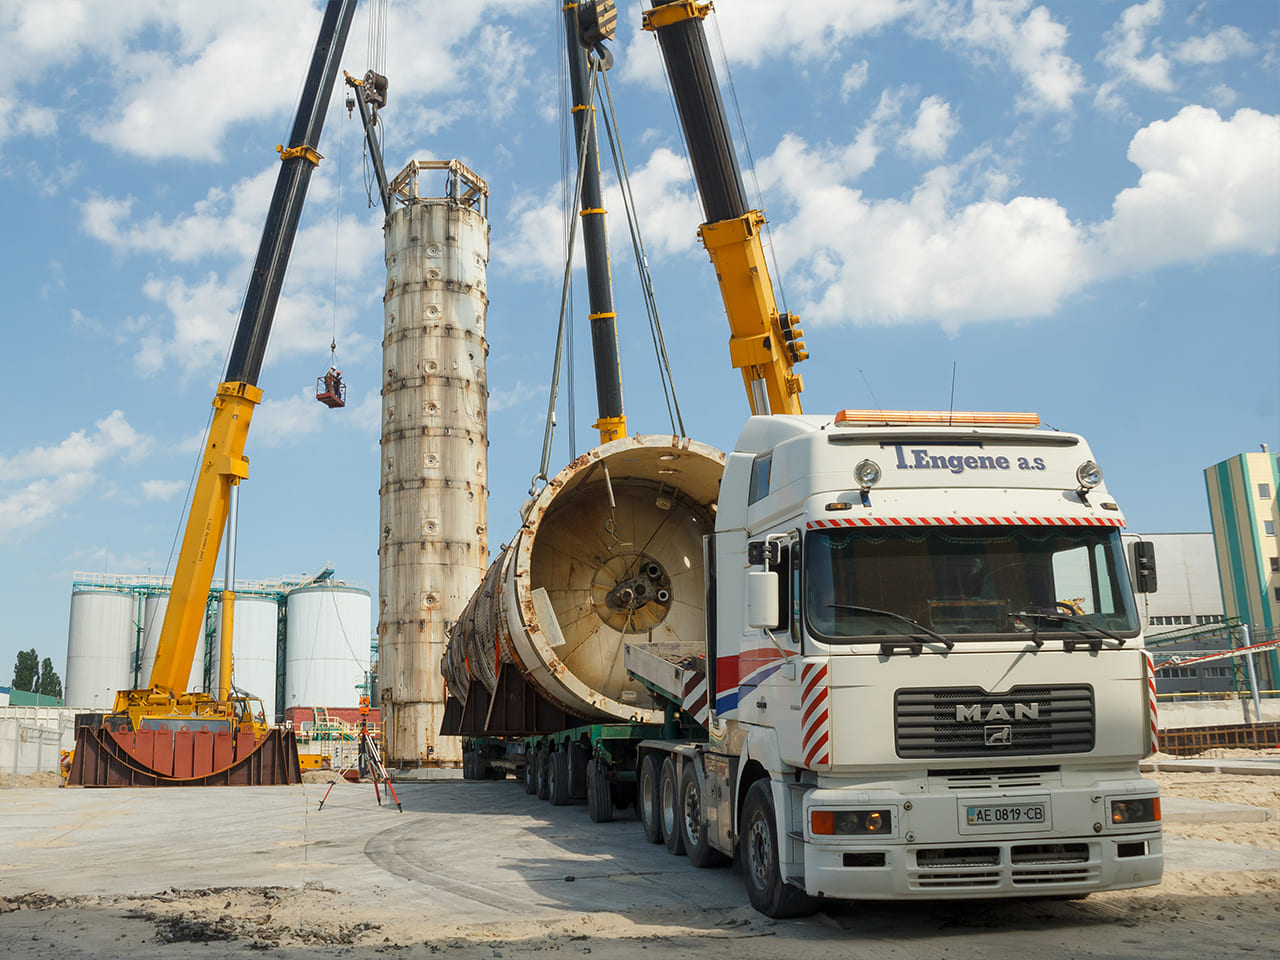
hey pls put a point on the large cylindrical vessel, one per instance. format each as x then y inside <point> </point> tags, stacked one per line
<point>433,547</point>
<point>154,605</point>
<point>610,553</point>
<point>326,645</point>
<point>253,649</point>
<point>100,644</point>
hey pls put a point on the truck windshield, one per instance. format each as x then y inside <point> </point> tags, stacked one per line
<point>981,581</point>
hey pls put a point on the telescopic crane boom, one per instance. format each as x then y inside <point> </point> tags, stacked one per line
<point>764,344</point>
<point>164,704</point>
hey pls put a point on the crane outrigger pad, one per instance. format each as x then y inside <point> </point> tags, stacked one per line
<point>183,758</point>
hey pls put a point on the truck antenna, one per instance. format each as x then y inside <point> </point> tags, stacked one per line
<point>870,391</point>
<point>952,409</point>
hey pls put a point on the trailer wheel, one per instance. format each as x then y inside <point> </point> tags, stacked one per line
<point>599,799</point>
<point>692,822</point>
<point>669,792</point>
<point>558,778</point>
<point>540,760</point>
<point>767,890</point>
<point>650,800</point>
<point>530,774</point>
<point>577,773</point>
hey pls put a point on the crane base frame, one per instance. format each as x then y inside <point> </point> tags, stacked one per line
<point>164,758</point>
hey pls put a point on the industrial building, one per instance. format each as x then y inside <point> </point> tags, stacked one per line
<point>1246,521</point>
<point>297,642</point>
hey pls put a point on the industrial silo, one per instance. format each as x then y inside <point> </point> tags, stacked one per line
<point>100,643</point>
<point>253,647</point>
<point>326,645</point>
<point>154,605</point>
<point>433,493</point>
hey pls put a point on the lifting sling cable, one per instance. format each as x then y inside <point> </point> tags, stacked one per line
<point>642,264</point>
<point>549,431</point>
<point>570,218</point>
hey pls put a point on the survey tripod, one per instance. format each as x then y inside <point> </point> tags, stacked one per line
<point>368,761</point>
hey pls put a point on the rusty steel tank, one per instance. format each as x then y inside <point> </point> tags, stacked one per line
<point>609,553</point>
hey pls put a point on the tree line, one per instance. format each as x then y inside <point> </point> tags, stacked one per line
<point>31,675</point>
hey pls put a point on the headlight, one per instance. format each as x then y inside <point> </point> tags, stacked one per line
<point>867,473</point>
<point>1089,474</point>
<point>830,823</point>
<point>1145,810</point>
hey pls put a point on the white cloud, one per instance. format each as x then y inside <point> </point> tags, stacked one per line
<point>532,240</point>
<point>227,224</point>
<point>1027,39</point>
<point>276,422</point>
<point>521,395</point>
<point>1208,186</point>
<point>855,78</point>
<point>1126,58</point>
<point>38,483</point>
<point>953,253</point>
<point>25,119</point>
<point>162,489</point>
<point>933,129</point>
<point>756,30</point>
<point>1215,47</point>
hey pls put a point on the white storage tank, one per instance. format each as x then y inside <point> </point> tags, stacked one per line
<point>326,645</point>
<point>154,606</point>
<point>100,643</point>
<point>253,648</point>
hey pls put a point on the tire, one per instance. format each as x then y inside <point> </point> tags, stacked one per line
<point>599,798</point>
<point>530,774</point>
<point>692,821</point>
<point>577,773</point>
<point>469,765</point>
<point>650,800</point>
<point>669,807</point>
<point>558,778</point>
<point>540,759</point>
<point>766,889</point>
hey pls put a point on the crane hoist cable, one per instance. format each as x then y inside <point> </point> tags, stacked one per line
<point>642,264</point>
<point>554,392</point>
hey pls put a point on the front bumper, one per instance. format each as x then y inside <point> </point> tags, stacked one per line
<point>931,852</point>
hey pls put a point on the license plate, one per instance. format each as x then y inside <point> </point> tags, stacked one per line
<point>1007,815</point>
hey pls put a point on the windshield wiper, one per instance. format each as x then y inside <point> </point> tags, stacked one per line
<point>887,647</point>
<point>1074,623</point>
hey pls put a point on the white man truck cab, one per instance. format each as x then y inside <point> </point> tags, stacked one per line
<point>928,671</point>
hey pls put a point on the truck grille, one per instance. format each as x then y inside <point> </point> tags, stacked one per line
<point>969,722</point>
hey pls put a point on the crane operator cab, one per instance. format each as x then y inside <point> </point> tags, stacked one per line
<point>330,390</point>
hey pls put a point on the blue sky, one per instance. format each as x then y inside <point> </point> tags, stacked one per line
<point>1074,205</point>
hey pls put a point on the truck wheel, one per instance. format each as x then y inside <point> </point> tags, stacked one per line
<point>650,800</point>
<point>543,785</point>
<point>693,822</point>
<point>577,773</point>
<point>468,765</point>
<point>599,800</point>
<point>669,792</point>
<point>766,889</point>
<point>558,778</point>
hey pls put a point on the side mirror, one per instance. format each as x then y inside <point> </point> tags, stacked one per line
<point>1143,558</point>
<point>762,599</point>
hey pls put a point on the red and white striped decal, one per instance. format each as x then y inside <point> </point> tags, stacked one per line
<point>966,522</point>
<point>1151,699</point>
<point>815,726</point>
<point>695,696</point>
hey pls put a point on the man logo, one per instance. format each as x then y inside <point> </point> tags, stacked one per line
<point>998,711</point>
<point>997,736</point>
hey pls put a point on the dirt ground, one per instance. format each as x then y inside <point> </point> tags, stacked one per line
<point>1193,913</point>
